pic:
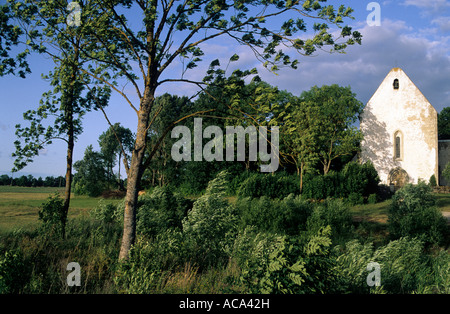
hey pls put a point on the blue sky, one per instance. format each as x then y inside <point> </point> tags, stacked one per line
<point>413,35</point>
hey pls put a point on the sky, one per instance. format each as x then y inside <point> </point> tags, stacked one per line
<point>412,34</point>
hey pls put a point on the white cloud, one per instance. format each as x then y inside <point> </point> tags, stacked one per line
<point>426,61</point>
<point>433,5</point>
<point>423,55</point>
<point>443,22</point>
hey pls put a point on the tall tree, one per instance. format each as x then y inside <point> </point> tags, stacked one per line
<point>444,124</point>
<point>177,29</point>
<point>298,130</point>
<point>46,29</point>
<point>336,110</point>
<point>114,143</point>
<point>10,35</point>
<point>91,176</point>
<point>167,109</point>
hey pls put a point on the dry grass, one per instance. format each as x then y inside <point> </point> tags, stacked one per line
<point>190,280</point>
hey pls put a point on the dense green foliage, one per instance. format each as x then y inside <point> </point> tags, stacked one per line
<point>211,245</point>
<point>268,185</point>
<point>91,175</point>
<point>444,124</point>
<point>31,181</point>
<point>280,216</point>
<point>414,213</point>
<point>51,215</point>
<point>355,180</point>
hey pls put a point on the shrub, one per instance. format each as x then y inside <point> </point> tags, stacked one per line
<point>355,198</point>
<point>212,223</point>
<point>161,210</point>
<point>402,266</point>
<point>149,261</point>
<point>269,185</point>
<point>235,182</point>
<point>436,277</point>
<point>285,216</point>
<point>318,187</point>
<point>360,178</point>
<point>332,212</point>
<point>372,199</point>
<point>354,179</point>
<point>14,272</point>
<point>446,171</point>
<point>432,181</point>
<point>413,213</point>
<point>51,214</point>
<point>280,264</point>
<point>351,266</point>
<point>105,212</point>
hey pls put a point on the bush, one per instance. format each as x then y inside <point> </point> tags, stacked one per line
<point>401,265</point>
<point>354,179</point>
<point>372,199</point>
<point>279,264</point>
<point>156,212</point>
<point>149,261</point>
<point>432,181</point>
<point>285,216</point>
<point>161,210</point>
<point>362,179</point>
<point>355,198</point>
<point>105,212</point>
<point>14,272</point>
<point>52,216</point>
<point>403,268</point>
<point>352,261</point>
<point>413,213</point>
<point>269,185</point>
<point>212,224</point>
<point>332,212</point>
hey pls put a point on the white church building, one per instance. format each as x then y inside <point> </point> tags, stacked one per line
<point>401,133</point>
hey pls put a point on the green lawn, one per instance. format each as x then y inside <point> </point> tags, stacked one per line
<point>372,212</point>
<point>19,206</point>
<point>443,202</point>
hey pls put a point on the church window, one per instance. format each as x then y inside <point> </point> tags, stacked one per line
<point>398,142</point>
<point>397,146</point>
<point>396,84</point>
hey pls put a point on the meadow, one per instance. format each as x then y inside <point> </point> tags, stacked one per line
<point>19,206</point>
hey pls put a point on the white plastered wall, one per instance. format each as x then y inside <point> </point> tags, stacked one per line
<point>408,111</point>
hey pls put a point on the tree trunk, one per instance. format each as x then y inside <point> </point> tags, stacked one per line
<point>68,187</point>
<point>134,177</point>
<point>326,166</point>
<point>120,183</point>
<point>301,177</point>
<point>68,107</point>
<point>300,171</point>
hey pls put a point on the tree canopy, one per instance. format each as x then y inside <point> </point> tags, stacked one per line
<point>444,124</point>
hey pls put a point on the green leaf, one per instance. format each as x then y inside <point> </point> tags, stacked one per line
<point>234,58</point>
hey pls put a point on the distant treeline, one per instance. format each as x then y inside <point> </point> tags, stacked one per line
<point>31,181</point>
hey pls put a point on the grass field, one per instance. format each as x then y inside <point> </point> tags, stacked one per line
<point>19,206</point>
